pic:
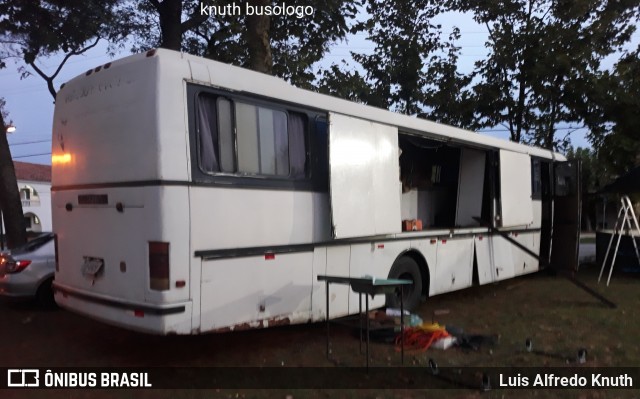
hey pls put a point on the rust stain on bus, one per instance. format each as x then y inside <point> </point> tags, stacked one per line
<point>270,322</point>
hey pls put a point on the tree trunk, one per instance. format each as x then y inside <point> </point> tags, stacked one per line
<point>258,27</point>
<point>10,203</point>
<point>170,12</point>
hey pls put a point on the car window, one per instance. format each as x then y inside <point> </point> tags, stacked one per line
<point>34,244</point>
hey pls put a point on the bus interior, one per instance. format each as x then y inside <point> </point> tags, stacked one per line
<point>444,185</point>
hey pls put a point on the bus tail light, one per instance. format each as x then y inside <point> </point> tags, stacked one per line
<point>158,265</point>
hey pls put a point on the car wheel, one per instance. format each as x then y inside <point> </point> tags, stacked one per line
<point>44,295</point>
<point>405,268</point>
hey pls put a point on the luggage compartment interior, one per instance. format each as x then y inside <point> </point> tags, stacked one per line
<point>443,185</point>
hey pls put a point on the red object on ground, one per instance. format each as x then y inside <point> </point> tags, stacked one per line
<point>417,338</point>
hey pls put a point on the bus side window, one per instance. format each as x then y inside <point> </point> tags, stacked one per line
<point>215,134</point>
<point>226,139</point>
<point>248,139</point>
<point>321,153</point>
<point>297,145</point>
<point>263,140</point>
<point>322,142</point>
<point>208,133</point>
<point>536,179</point>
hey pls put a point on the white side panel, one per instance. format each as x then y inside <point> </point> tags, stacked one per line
<point>515,188</point>
<point>255,292</point>
<point>109,125</point>
<point>485,260</point>
<point>256,217</point>
<point>501,258</point>
<point>383,255</point>
<point>536,249</point>
<point>373,259</point>
<point>361,265</point>
<point>177,323</point>
<point>121,240</point>
<point>318,299</point>
<point>470,187</point>
<point>173,206</point>
<point>173,152</point>
<point>537,214</point>
<point>338,259</point>
<point>409,204</point>
<point>419,204</point>
<point>199,72</point>
<point>364,177</point>
<point>428,248</point>
<point>196,296</point>
<point>523,262</point>
<point>454,268</point>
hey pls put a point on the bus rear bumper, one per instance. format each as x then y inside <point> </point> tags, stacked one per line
<point>166,319</point>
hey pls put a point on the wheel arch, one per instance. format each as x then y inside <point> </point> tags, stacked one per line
<point>44,294</point>
<point>422,264</point>
<point>44,279</point>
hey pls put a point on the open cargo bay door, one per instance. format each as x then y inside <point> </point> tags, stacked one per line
<point>515,189</point>
<point>364,177</point>
<point>470,186</point>
<point>566,216</point>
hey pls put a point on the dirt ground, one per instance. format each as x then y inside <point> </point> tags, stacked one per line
<point>556,315</point>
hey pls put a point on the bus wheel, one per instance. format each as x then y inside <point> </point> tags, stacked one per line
<point>405,268</point>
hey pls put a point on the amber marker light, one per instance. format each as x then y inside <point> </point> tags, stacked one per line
<point>60,158</point>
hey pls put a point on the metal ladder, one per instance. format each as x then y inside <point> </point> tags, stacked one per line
<point>625,216</point>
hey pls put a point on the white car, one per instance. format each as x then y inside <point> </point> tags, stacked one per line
<point>27,271</point>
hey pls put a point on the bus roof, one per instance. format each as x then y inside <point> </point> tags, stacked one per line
<point>229,77</point>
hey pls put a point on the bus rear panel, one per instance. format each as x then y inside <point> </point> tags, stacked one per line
<point>121,215</point>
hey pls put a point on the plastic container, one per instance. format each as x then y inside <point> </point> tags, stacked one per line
<point>444,343</point>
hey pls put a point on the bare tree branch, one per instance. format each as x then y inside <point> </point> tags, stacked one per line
<point>50,79</point>
<point>47,79</point>
<point>75,52</point>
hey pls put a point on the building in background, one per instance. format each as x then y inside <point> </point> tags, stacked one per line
<point>34,183</point>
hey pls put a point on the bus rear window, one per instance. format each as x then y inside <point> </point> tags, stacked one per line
<point>247,139</point>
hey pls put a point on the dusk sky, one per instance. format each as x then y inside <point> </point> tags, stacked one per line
<point>30,105</point>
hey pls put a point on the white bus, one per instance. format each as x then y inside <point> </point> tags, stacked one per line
<point>193,196</point>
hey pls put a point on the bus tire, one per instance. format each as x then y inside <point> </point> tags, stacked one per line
<point>405,268</point>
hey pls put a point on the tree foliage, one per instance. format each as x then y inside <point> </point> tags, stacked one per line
<point>544,59</point>
<point>31,30</point>
<point>411,69</point>
<point>613,117</point>
<point>294,44</point>
<point>595,173</point>
<point>10,204</point>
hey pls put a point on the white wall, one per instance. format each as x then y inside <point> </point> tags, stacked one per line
<point>41,208</point>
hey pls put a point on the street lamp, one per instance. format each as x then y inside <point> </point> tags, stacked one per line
<point>11,129</point>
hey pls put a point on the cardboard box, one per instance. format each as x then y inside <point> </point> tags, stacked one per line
<point>412,225</point>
